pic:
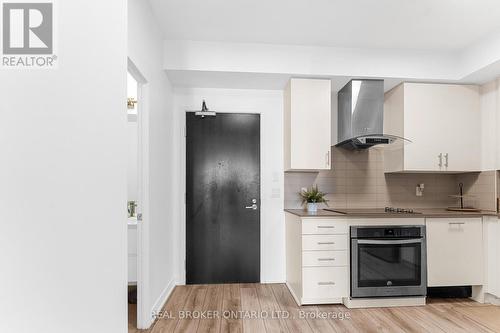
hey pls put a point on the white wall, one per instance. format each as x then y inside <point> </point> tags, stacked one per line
<point>269,103</point>
<point>63,180</point>
<point>481,55</point>
<point>488,104</point>
<point>145,50</point>
<point>490,123</point>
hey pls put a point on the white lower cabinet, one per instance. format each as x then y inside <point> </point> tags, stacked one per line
<point>321,283</point>
<point>325,258</point>
<point>455,252</point>
<point>463,251</point>
<point>324,242</point>
<point>317,259</point>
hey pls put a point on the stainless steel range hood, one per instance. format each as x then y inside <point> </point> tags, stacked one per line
<point>361,115</point>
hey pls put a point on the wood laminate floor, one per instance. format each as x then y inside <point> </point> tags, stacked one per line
<point>271,308</point>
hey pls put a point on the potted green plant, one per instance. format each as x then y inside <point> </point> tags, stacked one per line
<point>312,197</point>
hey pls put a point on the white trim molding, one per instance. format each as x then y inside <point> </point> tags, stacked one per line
<point>160,302</point>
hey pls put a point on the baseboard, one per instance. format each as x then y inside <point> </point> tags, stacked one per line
<point>388,302</point>
<point>272,281</point>
<point>491,299</point>
<point>313,301</point>
<point>297,300</point>
<point>162,299</point>
<point>478,294</point>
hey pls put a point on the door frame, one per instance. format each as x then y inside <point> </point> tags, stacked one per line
<point>143,313</point>
<point>182,232</point>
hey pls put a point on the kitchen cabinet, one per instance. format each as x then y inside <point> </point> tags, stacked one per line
<point>317,259</point>
<point>455,252</point>
<point>307,125</point>
<point>442,121</point>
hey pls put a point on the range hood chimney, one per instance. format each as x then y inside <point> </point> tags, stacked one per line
<point>361,115</point>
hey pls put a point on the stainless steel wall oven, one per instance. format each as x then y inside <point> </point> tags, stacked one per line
<point>388,261</point>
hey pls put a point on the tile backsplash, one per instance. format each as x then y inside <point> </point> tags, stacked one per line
<point>357,180</point>
<point>481,189</point>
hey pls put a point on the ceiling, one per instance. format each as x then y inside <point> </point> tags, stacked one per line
<point>402,24</point>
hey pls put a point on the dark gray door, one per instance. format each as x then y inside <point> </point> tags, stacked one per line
<point>222,182</point>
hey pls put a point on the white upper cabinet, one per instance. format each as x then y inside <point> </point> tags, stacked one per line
<point>307,124</point>
<point>442,121</point>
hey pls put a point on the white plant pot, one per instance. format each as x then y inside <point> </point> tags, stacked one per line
<point>312,207</point>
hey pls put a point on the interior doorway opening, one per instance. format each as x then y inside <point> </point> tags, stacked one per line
<point>139,311</point>
<point>133,201</point>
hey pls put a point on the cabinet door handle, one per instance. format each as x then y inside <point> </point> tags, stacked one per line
<point>446,160</point>
<point>440,156</point>
<point>328,158</point>
<point>326,259</point>
<point>327,283</point>
<point>456,223</point>
<point>326,243</point>
<point>325,227</point>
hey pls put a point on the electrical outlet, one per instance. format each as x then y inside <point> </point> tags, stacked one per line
<point>419,190</point>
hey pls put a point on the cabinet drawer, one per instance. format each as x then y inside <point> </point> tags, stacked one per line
<point>325,282</point>
<point>324,258</point>
<point>320,226</point>
<point>324,242</point>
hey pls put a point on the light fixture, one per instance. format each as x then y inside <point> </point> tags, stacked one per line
<point>204,111</point>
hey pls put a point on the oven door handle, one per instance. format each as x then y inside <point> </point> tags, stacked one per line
<point>389,242</point>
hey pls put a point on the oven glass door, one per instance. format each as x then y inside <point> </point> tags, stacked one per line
<point>389,263</point>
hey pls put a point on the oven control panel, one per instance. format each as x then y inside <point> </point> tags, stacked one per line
<point>385,232</point>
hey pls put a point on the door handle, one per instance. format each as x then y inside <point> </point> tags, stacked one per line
<point>446,160</point>
<point>254,207</point>
<point>390,242</point>
<point>440,156</point>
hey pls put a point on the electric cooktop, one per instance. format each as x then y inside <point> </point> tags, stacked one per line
<point>374,211</point>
